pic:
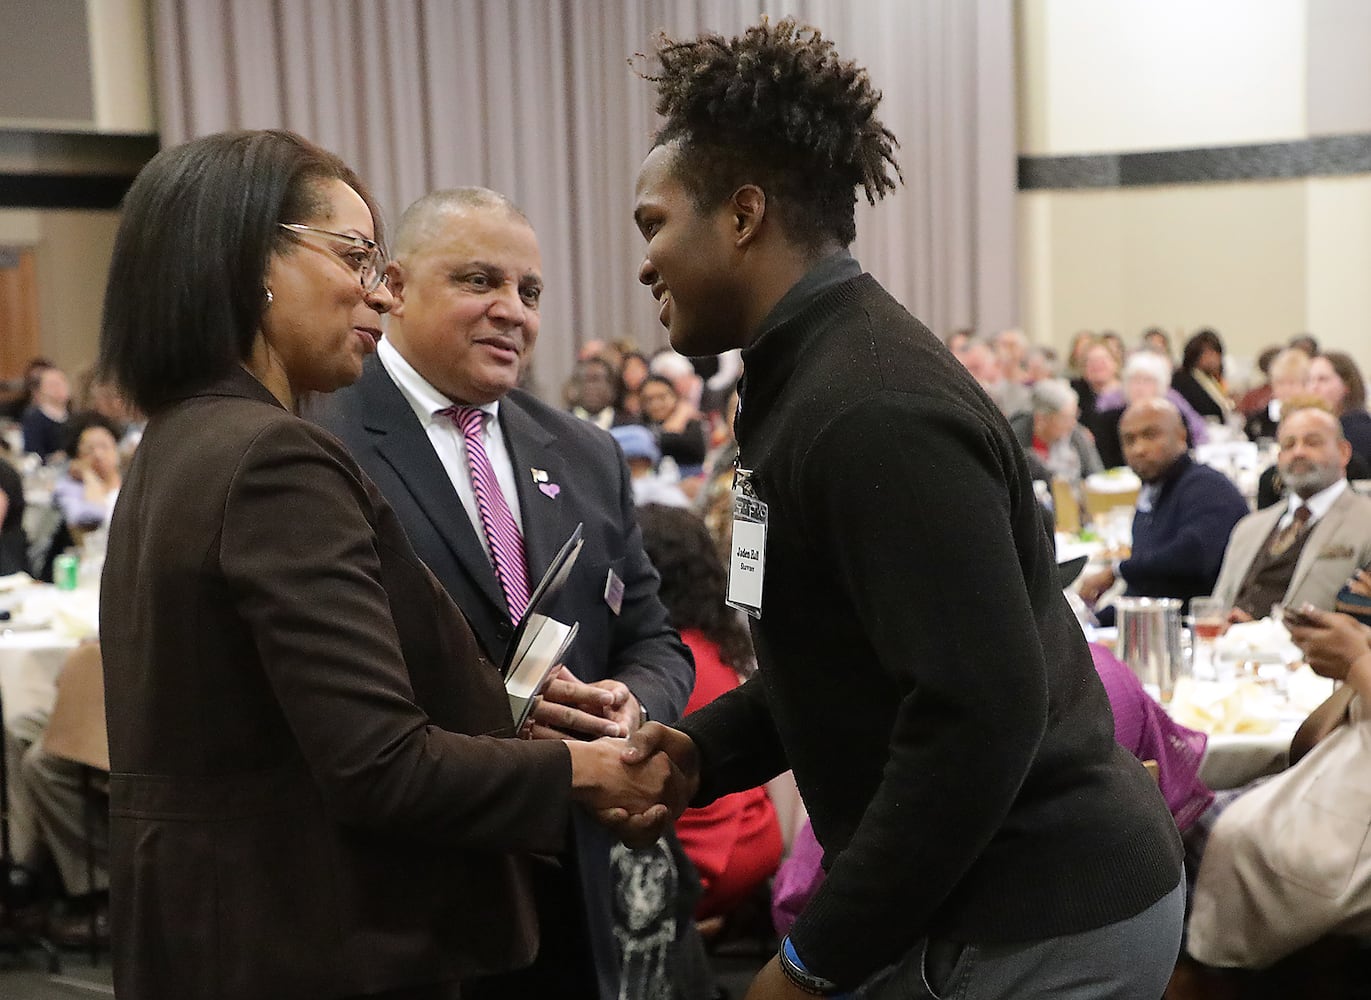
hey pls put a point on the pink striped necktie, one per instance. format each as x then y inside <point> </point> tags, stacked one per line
<point>502,533</point>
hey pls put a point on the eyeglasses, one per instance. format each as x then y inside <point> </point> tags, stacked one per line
<point>365,257</point>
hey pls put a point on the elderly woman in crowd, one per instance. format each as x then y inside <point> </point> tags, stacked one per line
<point>1335,378</point>
<point>1147,375</point>
<point>1050,430</point>
<point>315,788</point>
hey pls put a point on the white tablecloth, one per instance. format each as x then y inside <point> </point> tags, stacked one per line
<point>29,665</point>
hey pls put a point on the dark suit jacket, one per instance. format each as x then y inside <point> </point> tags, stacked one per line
<point>288,817</point>
<point>589,483</point>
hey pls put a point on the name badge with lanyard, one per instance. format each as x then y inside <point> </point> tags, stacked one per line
<point>747,564</point>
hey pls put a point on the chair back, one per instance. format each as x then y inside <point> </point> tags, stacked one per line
<point>1099,501</point>
<point>76,730</point>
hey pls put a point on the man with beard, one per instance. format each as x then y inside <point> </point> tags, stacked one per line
<point>1300,552</point>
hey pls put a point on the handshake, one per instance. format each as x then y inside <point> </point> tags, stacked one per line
<point>637,786</point>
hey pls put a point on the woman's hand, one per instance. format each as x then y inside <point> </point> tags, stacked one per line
<point>1360,584</point>
<point>1331,643</point>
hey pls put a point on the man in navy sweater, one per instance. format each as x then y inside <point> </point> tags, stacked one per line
<point>1185,511</point>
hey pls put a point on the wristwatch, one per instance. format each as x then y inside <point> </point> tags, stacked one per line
<point>796,972</point>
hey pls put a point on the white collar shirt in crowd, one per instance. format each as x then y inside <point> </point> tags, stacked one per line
<point>1318,504</point>
<point>447,440</point>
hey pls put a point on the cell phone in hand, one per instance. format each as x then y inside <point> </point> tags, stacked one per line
<point>1298,617</point>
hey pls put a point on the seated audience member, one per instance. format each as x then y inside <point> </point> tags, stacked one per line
<point>599,392</point>
<point>1039,363</point>
<point>676,423</point>
<point>1158,341</point>
<point>642,455</point>
<point>62,803</point>
<point>1286,376</point>
<point>1284,865</point>
<point>1200,377</point>
<point>631,378</point>
<point>1141,726</point>
<point>680,371</point>
<point>105,398</point>
<point>1146,375</point>
<point>13,409</point>
<point>957,342</point>
<point>86,494</point>
<point>1254,400</point>
<point>46,416</point>
<point>14,557</point>
<point>980,359</point>
<point>1303,550</point>
<point>1335,378</point>
<point>1184,516</point>
<point>1075,355</point>
<point>1011,347</point>
<point>735,842</point>
<point>1100,376</point>
<point>1050,429</point>
<point>1305,342</point>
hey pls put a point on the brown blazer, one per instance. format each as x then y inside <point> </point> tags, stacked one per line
<point>294,813</point>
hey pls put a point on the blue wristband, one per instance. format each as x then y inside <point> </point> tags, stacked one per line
<point>796,972</point>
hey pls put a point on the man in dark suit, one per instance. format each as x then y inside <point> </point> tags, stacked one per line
<point>489,482</point>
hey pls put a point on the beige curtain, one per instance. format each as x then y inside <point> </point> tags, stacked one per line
<point>535,98</point>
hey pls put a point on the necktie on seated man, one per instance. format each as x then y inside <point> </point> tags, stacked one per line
<point>505,542</point>
<point>1290,534</point>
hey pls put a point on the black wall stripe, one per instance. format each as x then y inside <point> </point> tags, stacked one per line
<point>1328,156</point>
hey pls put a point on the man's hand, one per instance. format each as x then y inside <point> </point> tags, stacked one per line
<point>603,781</point>
<point>1237,616</point>
<point>1095,584</point>
<point>569,708</point>
<point>654,740</point>
<point>771,984</point>
<point>1330,642</point>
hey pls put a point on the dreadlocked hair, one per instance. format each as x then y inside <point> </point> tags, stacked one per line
<point>777,107</point>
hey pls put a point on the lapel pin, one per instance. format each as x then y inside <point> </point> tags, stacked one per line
<point>539,475</point>
<point>549,490</point>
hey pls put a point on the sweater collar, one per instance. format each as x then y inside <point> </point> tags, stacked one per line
<point>777,349</point>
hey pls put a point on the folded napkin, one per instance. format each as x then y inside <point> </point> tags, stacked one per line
<point>1264,641</point>
<point>1225,707</point>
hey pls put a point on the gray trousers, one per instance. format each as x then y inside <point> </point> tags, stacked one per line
<point>1128,960</point>
<point>48,812</point>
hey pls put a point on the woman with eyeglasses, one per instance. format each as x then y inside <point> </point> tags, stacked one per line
<point>314,787</point>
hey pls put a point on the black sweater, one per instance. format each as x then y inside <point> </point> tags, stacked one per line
<point>919,667</point>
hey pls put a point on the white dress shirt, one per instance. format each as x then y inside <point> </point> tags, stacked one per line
<point>448,441</point>
<point>1318,504</point>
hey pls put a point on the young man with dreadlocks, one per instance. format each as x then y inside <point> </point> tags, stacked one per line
<point>984,836</point>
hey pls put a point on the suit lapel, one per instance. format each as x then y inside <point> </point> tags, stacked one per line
<point>401,441</point>
<point>545,508</point>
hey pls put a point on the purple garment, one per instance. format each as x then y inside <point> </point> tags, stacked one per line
<point>1143,728</point>
<point>1199,430</point>
<point>798,878</point>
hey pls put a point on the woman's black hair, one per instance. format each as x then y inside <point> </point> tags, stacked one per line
<point>1202,341</point>
<point>186,284</point>
<point>694,581</point>
<point>775,106</point>
<point>83,422</point>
